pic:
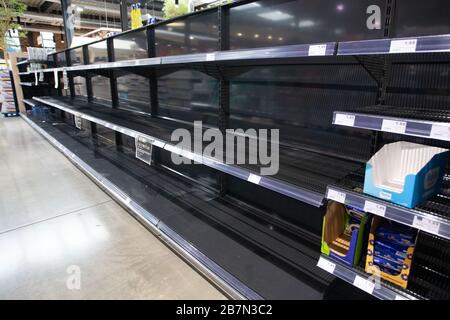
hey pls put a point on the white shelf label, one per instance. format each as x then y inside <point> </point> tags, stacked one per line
<point>253,178</point>
<point>55,75</point>
<point>440,132</point>
<point>210,56</point>
<point>345,120</point>
<point>364,284</point>
<point>375,208</point>
<point>393,126</point>
<point>403,46</point>
<point>336,195</point>
<point>36,78</point>
<point>317,50</point>
<point>400,297</point>
<point>426,224</point>
<point>326,265</point>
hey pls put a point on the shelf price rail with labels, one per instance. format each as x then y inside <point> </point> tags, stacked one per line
<point>375,287</point>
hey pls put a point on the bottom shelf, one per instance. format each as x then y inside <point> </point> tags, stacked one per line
<point>237,243</point>
<point>379,289</point>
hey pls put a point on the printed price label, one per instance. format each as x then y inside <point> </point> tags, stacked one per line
<point>440,132</point>
<point>210,56</point>
<point>326,265</point>
<point>144,149</point>
<point>317,50</point>
<point>78,122</point>
<point>403,46</point>
<point>364,284</point>
<point>345,120</point>
<point>375,208</point>
<point>65,79</point>
<point>336,196</point>
<point>393,126</point>
<point>426,224</point>
<point>55,75</point>
<point>253,178</point>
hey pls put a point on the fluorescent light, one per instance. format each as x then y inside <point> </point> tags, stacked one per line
<point>239,34</point>
<point>247,6</point>
<point>275,16</point>
<point>269,37</point>
<point>306,24</point>
<point>256,35</point>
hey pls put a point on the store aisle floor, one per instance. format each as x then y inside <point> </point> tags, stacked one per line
<point>61,237</point>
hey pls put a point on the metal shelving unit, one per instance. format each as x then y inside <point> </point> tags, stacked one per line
<point>296,192</point>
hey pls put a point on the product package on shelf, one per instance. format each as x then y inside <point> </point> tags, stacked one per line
<point>390,251</point>
<point>343,233</point>
<point>405,173</point>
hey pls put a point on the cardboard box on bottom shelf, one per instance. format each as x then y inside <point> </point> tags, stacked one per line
<point>343,234</point>
<point>385,259</point>
<point>405,173</point>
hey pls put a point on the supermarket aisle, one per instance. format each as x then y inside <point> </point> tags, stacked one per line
<point>61,237</point>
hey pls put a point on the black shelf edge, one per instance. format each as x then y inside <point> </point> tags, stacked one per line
<point>410,127</point>
<point>424,44</point>
<point>411,217</point>
<point>362,280</point>
<point>287,189</point>
<point>233,287</point>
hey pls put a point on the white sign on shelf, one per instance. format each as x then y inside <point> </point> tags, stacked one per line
<point>440,132</point>
<point>78,122</point>
<point>426,224</point>
<point>326,265</point>
<point>393,126</point>
<point>253,178</point>
<point>403,46</point>
<point>55,75</point>
<point>375,208</point>
<point>336,196</point>
<point>364,284</point>
<point>317,50</point>
<point>345,119</point>
<point>144,149</point>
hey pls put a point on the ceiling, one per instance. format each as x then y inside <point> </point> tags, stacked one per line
<point>45,15</point>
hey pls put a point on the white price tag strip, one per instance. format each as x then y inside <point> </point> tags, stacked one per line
<point>326,265</point>
<point>426,224</point>
<point>375,208</point>
<point>364,284</point>
<point>317,50</point>
<point>253,178</point>
<point>440,132</point>
<point>345,120</point>
<point>400,297</point>
<point>393,126</point>
<point>336,196</point>
<point>210,56</point>
<point>403,46</point>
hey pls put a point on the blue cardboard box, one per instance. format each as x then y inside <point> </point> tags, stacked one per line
<point>405,173</point>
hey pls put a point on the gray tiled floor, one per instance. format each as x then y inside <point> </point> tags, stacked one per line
<point>55,224</point>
